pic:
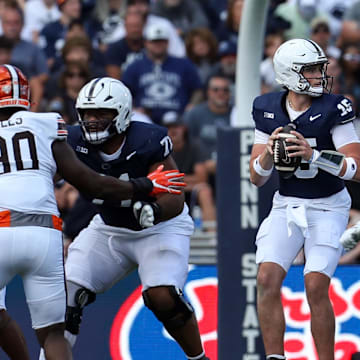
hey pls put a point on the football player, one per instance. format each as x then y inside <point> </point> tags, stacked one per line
<point>311,208</point>
<point>33,148</point>
<point>151,233</point>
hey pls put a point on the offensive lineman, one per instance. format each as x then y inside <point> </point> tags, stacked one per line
<point>152,233</point>
<point>33,148</point>
<point>311,208</point>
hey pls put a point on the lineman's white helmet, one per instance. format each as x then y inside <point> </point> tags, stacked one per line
<point>104,93</point>
<point>289,61</point>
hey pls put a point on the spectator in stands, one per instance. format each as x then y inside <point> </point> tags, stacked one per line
<point>160,82</point>
<point>176,44</point>
<point>38,13</point>
<point>76,29</point>
<point>201,49</point>
<point>72,78</point>
<point>334,71</point>
<point>6,46</point>
<point>212,10</point>
<point>25,54</point>
<point>190,156</point>
<point>204,119</point>
<point>350,65</point>
<point>77,49</point>
<point>320,33</point>
<point>185,15</point>
<point>228,29</point>
<point>110,14</point>
<point>226,65</point>
<point>52,36</point>
<point>350,29</point>
<point>335,11</point>
<point>299,14</point>
<point>275,23</point>
<point>124,51</point>
<point>267,72</point>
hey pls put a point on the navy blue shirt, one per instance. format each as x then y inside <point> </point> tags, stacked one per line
<point>145,144</point>
<point>52,38</point>
<point>315,124</point>
<point>119,53</point>
<point>161,88</point>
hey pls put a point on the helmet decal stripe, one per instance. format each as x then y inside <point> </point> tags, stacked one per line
<point>15,81</point>
<point>115,101</point>
<point>92,89</point>
<point>315,46</point>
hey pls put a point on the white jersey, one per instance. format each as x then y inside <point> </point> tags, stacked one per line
<point>27,166</point>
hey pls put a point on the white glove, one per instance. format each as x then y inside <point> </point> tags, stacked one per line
<point>350,238</point>
<point>146,213</point>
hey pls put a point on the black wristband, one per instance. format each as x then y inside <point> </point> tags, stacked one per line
<point>157,211</point>
<point>142,185</point>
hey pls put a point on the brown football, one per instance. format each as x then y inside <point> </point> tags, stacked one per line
<point>285,165</point>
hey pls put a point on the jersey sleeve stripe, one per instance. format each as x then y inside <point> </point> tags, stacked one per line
<point>348,120</point>
<point>61,130</point>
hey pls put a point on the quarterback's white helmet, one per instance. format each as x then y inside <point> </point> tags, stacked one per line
<point>104,93</point>
<point>292,57</point>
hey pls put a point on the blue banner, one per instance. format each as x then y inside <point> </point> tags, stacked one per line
<point>241,207</point>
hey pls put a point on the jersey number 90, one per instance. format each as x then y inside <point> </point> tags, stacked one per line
<point>23,137</point>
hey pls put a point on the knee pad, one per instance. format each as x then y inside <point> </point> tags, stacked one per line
<point>177,316</point>
<point>83,297</point>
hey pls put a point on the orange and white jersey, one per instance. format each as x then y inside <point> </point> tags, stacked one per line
<point>27,166</point>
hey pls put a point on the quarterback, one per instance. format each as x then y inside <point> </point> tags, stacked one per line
<point>311,207</point>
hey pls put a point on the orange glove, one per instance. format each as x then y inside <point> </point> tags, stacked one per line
<point>163,181</point>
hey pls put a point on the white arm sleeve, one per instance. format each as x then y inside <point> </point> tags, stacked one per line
<point>260,137</point>
<point>344,134</point>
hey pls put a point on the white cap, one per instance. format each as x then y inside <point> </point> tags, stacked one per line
<point>156,32</point>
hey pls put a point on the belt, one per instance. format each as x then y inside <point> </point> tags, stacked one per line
<point>10,218</point>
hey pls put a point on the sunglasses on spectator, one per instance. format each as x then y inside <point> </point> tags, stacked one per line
<point>71,74</point>
<point>218,88</point>
<point>351,57</point>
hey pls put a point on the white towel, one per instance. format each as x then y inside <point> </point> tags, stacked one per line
<point>296,216</point>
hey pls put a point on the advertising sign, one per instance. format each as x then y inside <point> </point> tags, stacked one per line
<point>137,335</point>
<point>119,327</point>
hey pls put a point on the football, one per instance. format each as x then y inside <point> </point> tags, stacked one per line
<point>285,165</point>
